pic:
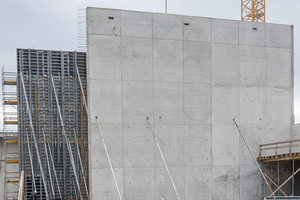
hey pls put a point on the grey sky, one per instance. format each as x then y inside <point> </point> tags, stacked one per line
<point>52,24</point>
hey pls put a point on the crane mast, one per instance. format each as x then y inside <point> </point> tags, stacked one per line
<point>253,10</point>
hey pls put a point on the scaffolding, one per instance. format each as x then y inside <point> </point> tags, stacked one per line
<point>284,151</point>
<point>10,134</point>
<point>36,68</point>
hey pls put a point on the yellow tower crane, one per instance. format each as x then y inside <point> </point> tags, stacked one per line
<point>253,10</point>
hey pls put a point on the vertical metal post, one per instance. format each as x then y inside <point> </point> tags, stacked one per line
<point>81,87</point>
<point>76,196</point>
<point>253,157</point>
<point>33,134</point>
<point>65,136</point>
<point>36,107</point>
<point>81,127</point>
<point>82,170</point>
<point>31,164</point>
<point>64,142</point>
<point>278,169</point>
<point>166,9</point>
<point>47,159</point>
<point>293,181</point>
<point>54,170</point>
<point>287,180</point>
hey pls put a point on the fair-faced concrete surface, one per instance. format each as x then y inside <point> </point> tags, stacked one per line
<point>167,26</point>
<point>137,100</point>
<point>198,183</point>
<point>225,65</point>
<point>197,29</point>
<point>139,183</point>
<point>114,142</point>
<point>226,182</point>
<point>137,59</point>
<point>197,62</point>
<point>278,98</point>
<point>138,138</point>
<point>163,185</point>
<point>191,80</point>
<point>168,103</point>
<point>225,31</point>
<point>252,106</point>
<point>197,104</point>
<point>106,57</point>
<point>277,134</point>
<point>106,101</point>
<point>136,24</point>
<point>99,22</point>
<point>103,185</point>
<point>252,66</point>
<point>252,33</point>
<point>278,68</point>
<point>250,176</point>
<point>255,136</point>
<point>198,141</point>
<point>168,60</point>
<point>225,106</point>
<point>225,146</point>
<point>278,35</point>
<point>171,140</point>
<point>296,136</point>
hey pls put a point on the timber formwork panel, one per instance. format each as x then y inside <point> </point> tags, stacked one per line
<point>36,66</point>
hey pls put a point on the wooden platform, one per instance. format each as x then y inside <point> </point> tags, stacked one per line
<point>280,157</point>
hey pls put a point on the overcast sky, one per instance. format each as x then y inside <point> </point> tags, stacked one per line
<point>52,24</point>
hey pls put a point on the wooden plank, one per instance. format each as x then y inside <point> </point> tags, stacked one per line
<point>21,186</point>
<point>280,157</point>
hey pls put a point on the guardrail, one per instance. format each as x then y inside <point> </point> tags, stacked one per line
<point>279,145</point>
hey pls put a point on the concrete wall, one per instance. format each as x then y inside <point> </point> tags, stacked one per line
<point>191,81</point>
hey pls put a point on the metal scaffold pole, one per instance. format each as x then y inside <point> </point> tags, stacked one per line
<point>31,165</point>
<point>81,87</point>
<point>47,159</point>
<point>162,156</point>
<point>54,171</point>
<point>33,134</point>
<point>286,181</point>
<point>253,157</point>
<point>107,156</point>
<point>65,136</point>
<point>82,170</point>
